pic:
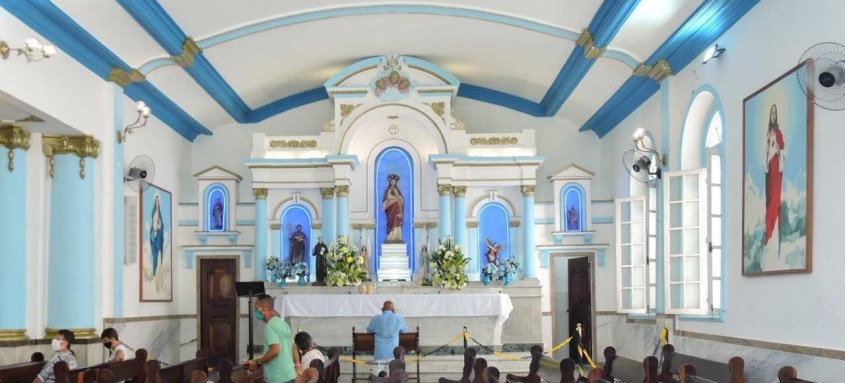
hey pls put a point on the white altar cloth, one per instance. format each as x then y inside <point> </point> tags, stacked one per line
<point>407,305</point>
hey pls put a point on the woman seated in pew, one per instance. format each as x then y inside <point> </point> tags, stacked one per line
<point>306,348</point>
<point>117,350</point>
<point>61,345</point>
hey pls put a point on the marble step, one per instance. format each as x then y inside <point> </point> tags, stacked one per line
<point>434,367</point>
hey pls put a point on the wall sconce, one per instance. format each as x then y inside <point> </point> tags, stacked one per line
<point>32,50</point>
<point>140,122</point>
<point>711,53</point>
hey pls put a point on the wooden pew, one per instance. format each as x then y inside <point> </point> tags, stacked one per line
<point>21,372</point>
<point>469,358</point>
<point>533,368</point>
<point>331,370</point>
<point>230,373</point>
<point>131,371</point>
<point>182,372</point>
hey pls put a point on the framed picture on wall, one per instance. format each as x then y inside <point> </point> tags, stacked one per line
<point>778,177</point>
<point>156,234</point>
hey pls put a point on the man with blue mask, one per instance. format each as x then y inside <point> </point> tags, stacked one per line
<point>386,328</point>
<point>280,361</point>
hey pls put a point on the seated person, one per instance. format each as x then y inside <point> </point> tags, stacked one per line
<point>61,345</point>
<point>306,346</point>
<point>386,328</point>
<point>117,350</point>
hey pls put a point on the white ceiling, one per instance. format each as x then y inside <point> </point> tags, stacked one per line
<point>265,66</point>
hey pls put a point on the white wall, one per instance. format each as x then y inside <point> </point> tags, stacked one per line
<point>784,309</point>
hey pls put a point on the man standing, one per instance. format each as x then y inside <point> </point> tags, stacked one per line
<point>386,328</point>
<point>280,361</point>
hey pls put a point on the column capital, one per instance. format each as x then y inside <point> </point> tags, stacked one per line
<point>472,224</point>
<point>527,190</point>
<point>316,226</point>
<point>275,226</point>
<point>327,193</point>
<point>13,137</point>
<point>342,190</point>
<point>259,193</point>
<point>82,146</point>
<point>460,191</point>
<point>444,190</point>
<point>513,224</point>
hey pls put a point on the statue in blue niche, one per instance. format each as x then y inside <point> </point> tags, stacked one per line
<point>393,205</point>
<point>572,219</point>
<point>217,214</point>
<point>297,244</point>
<point>493,250</point>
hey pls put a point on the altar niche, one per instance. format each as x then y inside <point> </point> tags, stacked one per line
<point>217,214</point>
<point>493,236</point>
<point>296,235</point>
<point>394,201</point>
<point>573,206</point>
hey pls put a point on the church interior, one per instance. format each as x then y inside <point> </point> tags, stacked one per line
<point>639,184</point>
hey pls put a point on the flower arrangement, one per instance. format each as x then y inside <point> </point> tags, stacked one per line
<point>270,264</point>
<point>344,264</point>
<point>282,271</point>
<point>300,269</point>
<point>508,268</point>
<point>448,262</point>
<point>491,271</point>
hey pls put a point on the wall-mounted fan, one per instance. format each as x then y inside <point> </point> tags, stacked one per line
<point>141,173</point>
<point>823,78</point>
<point>643,167</point>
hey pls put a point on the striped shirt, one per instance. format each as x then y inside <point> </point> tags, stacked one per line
<point>46,375</point>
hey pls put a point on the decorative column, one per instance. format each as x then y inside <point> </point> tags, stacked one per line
<point>513,237</point>
<point>328,215</point>
<point>275,243</point>
<point>529,258</point>
<point>70,280</point>
<point>473,270</point>
<point>13,199</point>
<point>460,216</point>
<point>445,222</point>
<point>342,192</point>
<point>260,232</point>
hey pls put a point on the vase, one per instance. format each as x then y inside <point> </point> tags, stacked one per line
<point>485,279</point>
<point>301,280</point>
<point>508,279</point>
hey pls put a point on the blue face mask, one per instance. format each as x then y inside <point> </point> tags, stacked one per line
<point>258,314</point>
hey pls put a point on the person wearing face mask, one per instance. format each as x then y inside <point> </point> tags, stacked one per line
<point>61,345</point>
<point>280,361</point>
<point>117,350</point>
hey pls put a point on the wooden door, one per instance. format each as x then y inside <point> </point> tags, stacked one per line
<point>580,304</point>
<point>218,307</point>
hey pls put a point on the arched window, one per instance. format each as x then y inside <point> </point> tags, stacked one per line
<point>573,208</point>
<point>649,192</point>
<point>714,148</point>
<point>493,225</point>
<point>217,208</point>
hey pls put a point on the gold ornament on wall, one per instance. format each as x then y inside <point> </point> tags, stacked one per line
<point>488,141</point>
<point>527,190</point>
<point>82,146</point>
<point>342,190</point>
<point>327,193</point>
<point>460,191</point>
<point>259,193</point>
<point>13,137</point>
<point>444,190</point>
<point>293,144</point>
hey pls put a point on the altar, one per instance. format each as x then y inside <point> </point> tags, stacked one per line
<point>488,312</point>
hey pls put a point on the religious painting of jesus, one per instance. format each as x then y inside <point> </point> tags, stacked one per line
<point>156,282</point>
<point>777,178</point>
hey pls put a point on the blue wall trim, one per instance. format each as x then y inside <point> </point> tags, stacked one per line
<point>709,21</point>
<point>164,30</point>
<point>607,21</point>
<point>49,21</point>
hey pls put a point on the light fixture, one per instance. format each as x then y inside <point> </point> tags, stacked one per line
<point>140,122</point>
<point>644,162</point>
<point>32,50</point>
<point>711,53</point>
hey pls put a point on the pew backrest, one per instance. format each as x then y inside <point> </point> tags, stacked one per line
<point>705,368</point>
<point>181,372</point>
<point>132,370</point>
<point>21,372</point>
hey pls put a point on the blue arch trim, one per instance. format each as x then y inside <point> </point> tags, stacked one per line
<point>610,17</point>
<point>163,29</point>
<point>709,21</point>
<point>576,192</point>
<point>717,107</point>
<point>211,192</point>
<point>493,224</point>
<point>49,21</point>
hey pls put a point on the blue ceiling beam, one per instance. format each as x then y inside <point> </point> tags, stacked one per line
<point>503,99</point>
<point>164,30</point>
<point>288,103</point>
<point>57,27</point>
<point>606,23</point>
<point>709,21</point>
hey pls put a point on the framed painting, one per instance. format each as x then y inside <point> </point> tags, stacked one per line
<point>778,177</point>
<point>156,234</point>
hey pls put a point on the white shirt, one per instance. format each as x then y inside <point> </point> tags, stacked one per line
<point>119,347</point>
<point>314,354</point>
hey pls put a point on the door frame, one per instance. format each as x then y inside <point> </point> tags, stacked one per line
<point>237,260</point>
<point>564,256</point>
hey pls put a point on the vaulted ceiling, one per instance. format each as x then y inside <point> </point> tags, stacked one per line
<point>203,64</point>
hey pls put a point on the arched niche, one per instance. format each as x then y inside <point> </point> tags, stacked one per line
<point>216,207</point>
<point>394,163</point>
<point>493,228</point>
<point>295,220</point>
<point>573,208</point>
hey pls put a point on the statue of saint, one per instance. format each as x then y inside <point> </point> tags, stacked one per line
<point>217,214</point>
<point>493,250</point>
<point>319,252</point>
<point>393,205</point>
<point>572,219</point>
<point>297,245</point>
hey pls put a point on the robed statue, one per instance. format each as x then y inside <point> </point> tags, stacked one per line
<point>572,223</point>
<point>393,205</point>
<point>319,252</point>
<point>217,214</point>
<point>493,250</point>
<point>297,245</point>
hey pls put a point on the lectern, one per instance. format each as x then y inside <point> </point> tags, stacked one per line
<point>249,290</point>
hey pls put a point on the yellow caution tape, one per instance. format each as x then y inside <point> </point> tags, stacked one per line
<point>559,346</point>
<point>587,355</point>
